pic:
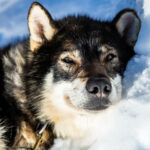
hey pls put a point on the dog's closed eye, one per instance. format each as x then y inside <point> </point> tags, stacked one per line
<point>68,60</point>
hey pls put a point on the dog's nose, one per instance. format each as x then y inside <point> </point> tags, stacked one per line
<point>99,86</point>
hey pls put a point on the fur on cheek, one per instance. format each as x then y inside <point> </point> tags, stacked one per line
<point>116,93</point>
<point>68,122</point>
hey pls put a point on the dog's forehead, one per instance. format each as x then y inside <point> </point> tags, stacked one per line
<point>81,48</point>
<point>84,24</point>
<point>89,34</point>
<point>91,38</point>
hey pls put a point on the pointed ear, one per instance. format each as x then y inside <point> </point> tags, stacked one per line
<point>41,26</point>
<point>128,25</point>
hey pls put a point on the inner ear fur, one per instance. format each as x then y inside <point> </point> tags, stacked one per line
<point>128,25</point>
<point>41,26</point>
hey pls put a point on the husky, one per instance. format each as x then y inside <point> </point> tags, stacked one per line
<point>67,75</point>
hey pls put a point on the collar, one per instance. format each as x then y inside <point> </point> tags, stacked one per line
<point>40,135</point>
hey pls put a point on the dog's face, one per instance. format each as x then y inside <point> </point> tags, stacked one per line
<point>78,62</point>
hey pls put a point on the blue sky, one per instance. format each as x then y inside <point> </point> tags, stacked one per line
<point>13,13</point>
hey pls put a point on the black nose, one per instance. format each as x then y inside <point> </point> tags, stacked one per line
<point>99,85</point>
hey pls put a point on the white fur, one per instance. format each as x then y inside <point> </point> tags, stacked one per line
<point>116,93</point>
<point>79,126</point>
<point>98,127</point>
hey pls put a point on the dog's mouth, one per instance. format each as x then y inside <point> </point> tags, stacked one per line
<point>95,104</point>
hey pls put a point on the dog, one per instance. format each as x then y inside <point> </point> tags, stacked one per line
<point>66,75</point>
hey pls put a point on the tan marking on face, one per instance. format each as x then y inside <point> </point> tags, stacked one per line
<point>106,50</point>
<point>72,51</point>
<point>75,56</point>
<point>82,73</point>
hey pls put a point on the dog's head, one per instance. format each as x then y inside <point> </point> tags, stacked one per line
<point>78,62</point>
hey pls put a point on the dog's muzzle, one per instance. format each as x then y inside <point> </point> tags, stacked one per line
<point>99,89</point>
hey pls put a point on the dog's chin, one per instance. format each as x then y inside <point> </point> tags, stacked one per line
<point>90,109</point>
<point>97,104</point>
<point>92,105</point>
<point>97,108</point>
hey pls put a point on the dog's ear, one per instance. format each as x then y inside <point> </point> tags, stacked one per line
<point>41,26</point>
<point>128,25</point>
